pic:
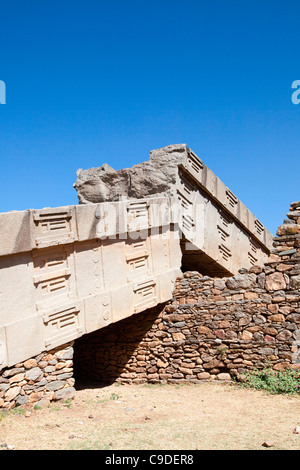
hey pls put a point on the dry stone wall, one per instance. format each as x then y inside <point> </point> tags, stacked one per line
<point>40,380</point>
<point>213,328</point>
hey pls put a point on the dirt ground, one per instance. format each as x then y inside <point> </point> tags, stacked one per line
<point>208,416</point>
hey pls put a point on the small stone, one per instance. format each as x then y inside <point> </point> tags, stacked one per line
<point>224,376</point>
<point>295,282</point>
<point>297,430</point>
<point>30,363</point>
<point>34,374</point>
<point>268,444</point>
<point>65,393</point>
<point>56,385</point>
<point>288,229</point>
<point>12,393</point>
<point>35,397</point>
<point>275,281</point>
<point>178,336</point>
<point>242,281</point>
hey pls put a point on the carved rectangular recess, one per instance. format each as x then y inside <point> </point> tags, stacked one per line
<point>231,198</point>
<point>253,252</point>
<point>194,163</point>
<point>187,187</point>
<point>225,219</point>
<point>225,252</point>
<point>186,204</point>
<point>223,234</point>
<point>137,215</point>
<point>258,227</point>
<point>145,296</point>
<point>253,260</point>
<point>52,276</point>
<point>53,227</point>
<point>62,324</point>
<point>137,259</point>
<point>186,215</point>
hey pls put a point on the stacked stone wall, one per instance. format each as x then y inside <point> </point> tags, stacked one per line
<point>39,380</point>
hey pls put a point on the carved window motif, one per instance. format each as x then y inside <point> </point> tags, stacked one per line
<point>57,283</point>
<point>50,261</point>
<point>186,215</point>
<point>231,198</point>
<point>145,295</point>
<point>187,186</point>
<point>252,252</point>
<point>62,324</point>
<point>53,227</point>
<point>253,246</point>
<point>185,203</point>
<point>259,227</point>
<point>225,252</point>
<point>194,162</point>
<point>253,260</point>
<point>187,222</point>
<point>225,219</point>
<point>51,275</point>
<point>138,263</point>
<point>223,234</point>
<point>52,284</point>
<point>137,259</point>
<point>137,215</point>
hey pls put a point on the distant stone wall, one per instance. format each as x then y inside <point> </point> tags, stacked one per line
<point>213,328</point>
<point>40,380</point>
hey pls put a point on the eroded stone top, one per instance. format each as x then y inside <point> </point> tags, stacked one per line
<point>157,176</point>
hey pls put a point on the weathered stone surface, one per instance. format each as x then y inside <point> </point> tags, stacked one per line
<point>295,282</point>
<point>242,281</point>
<point>34,374</point>
<point>11,393</point>
<point>275,281</point>
<point>65,393</point>
<point>153,177</point>
<point>288,229</point>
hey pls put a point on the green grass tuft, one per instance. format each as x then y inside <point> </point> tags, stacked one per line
<point>275,382</point>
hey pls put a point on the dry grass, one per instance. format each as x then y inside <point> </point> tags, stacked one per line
<point>210,416</point>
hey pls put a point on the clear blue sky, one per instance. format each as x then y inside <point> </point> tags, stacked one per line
<point>92,82</point>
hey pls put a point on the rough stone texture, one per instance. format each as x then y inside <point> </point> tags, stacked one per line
<point>157,176</point>
<point>40,380</point>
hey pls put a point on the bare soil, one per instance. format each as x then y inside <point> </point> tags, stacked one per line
<point>208,416</point>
